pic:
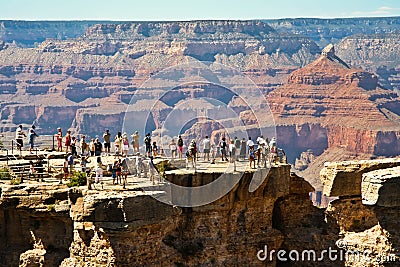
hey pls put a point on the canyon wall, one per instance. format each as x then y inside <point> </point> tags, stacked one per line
<point>130,228</point>
<point>58,226</point>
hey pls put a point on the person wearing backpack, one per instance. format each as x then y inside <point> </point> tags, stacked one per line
<point>147,143</point>
<point>252,156</point>
<point>180,146</point>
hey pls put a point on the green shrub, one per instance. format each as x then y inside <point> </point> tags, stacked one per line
<point>164,166</point>
<point>15,181</point>
<point>77,179</point>
<point>5,174</point>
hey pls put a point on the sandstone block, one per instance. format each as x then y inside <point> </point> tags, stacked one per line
<point>299,186</point>
<point>344,178</point>
<point>381,187</point>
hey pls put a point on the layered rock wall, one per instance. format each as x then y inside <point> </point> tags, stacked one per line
<point>130,228</point>
<point>366,211</point>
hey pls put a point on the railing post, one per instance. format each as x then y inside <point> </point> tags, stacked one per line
<point>53,144</point>
<point>12,146</point>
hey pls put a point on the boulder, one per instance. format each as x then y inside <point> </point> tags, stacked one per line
<point>344,178</point>
<point>381,187</point>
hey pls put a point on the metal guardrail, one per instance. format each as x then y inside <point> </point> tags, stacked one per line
<point>44,142</point>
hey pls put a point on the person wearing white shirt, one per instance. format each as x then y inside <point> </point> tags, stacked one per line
<point>206,148</point>
<point>249,144</point>
<point>260,140</point>
<point>19,136</point>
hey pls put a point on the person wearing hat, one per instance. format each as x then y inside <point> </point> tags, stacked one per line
<point>135,141</point>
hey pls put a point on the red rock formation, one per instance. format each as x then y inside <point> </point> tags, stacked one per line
<point>339,106</point>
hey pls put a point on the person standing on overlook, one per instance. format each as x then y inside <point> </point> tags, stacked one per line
<point>98,147</point>
<point>59,137</point>
<point>73,146</point>
<point>118,143</point>
<point>237,148</point>
<point>68,141</point>
<point>243,148</point>
<point>249,143</point>
<point>135,142</point>
<point>173,148</point>
<point>147,142</point>
<point>180,146</point>
<point>92,147</point>
<point>125,145</point>
<point>223,148</point>
<point>19,137</point>
<point>32,135</point>
<point>84,145</point>
<point>107,141</point>
<point>206,148</point>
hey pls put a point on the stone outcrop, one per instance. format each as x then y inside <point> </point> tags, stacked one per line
<point>305,159</point>
<point>130,228</point>
<point>381,187</point>
<point>337,176</point>
<point>366,211</point>
<point>79,227</point>
<point>34,257</point>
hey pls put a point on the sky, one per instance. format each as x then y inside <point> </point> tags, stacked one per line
<point>159,10</point>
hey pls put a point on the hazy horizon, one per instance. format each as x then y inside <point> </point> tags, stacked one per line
<point>179,10</point>
<point>256,19</point>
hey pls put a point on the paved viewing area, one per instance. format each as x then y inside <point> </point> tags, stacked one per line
<point>53,164</point>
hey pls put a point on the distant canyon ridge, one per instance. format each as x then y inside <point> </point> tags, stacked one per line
<point>339,102</point>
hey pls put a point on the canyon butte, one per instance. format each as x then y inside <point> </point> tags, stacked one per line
<point>329,102</point>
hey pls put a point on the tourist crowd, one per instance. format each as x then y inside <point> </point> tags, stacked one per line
<point>261,150</point>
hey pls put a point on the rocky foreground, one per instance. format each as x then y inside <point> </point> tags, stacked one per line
<point>52,225</point>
